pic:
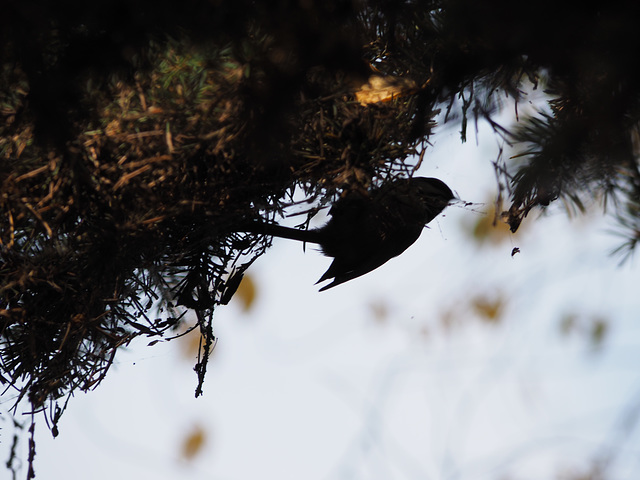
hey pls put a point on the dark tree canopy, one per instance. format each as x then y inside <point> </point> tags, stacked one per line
<point>135,138</point>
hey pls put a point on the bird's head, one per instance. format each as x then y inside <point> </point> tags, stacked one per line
<point>431,190</point>
<point>427,196</point>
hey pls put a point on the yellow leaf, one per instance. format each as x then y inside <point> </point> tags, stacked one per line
<point>193,443</point>
<point>490,310</point>
<point>246,292</point>
<point>384,89</point>
<point>490,229</point>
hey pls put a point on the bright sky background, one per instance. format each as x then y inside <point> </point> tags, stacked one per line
<point>367,380</point>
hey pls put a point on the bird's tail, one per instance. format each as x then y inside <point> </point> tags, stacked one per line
<point>275,230</point>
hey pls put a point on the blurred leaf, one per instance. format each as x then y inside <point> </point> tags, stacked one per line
<point>246,293</point>
<point>489,310</point>
<point>592,328</point>
<point>490,228</point>
<point>599,330</point>
<point>451,318</point>
<point>380,311</point>
<point>568,323</point>
<point>192,342</point>
<point>193,443</point>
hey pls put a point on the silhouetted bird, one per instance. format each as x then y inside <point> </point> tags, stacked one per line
<point>366,231</point>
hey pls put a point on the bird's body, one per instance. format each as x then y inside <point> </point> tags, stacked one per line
<point>365,231</point>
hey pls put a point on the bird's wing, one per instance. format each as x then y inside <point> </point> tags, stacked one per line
<point>343,270</point>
